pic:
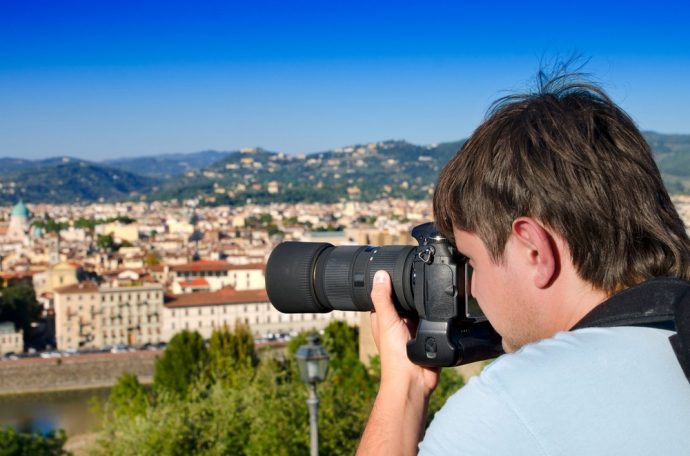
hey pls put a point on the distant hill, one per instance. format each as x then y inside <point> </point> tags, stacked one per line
<point>167,165</point>
<point>71,181</point>
<point>672,155</point>
<point>361,172</point>
<point>364,172</point>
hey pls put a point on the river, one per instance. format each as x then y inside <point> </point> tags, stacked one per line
<point>73,411</point>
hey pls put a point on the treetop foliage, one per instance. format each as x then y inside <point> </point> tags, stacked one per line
<point>13,443</point>
<point>225,399</point>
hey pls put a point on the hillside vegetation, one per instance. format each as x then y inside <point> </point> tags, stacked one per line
<point>359,172</point>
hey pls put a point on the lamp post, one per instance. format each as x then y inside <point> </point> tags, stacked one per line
<point>312,360</point>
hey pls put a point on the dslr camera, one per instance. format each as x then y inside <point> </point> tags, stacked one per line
<point>430,283</point>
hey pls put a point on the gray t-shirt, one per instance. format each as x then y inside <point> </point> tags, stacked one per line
<point>594,391</point>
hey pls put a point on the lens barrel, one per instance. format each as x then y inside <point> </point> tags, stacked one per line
<point>308,277</point>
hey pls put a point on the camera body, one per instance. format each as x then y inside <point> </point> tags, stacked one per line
<point>452,330</point>
<point>429,281</point>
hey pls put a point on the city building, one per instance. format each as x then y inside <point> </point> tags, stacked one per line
<point>206,311</point>
<point>219,274</point>
<point>127,311</point>
<point>11,341</point>
<point>55,276</point>
<point>18,229</point>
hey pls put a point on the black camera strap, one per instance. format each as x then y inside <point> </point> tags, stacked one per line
<point>658,303</point>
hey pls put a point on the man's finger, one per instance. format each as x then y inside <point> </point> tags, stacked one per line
<point>381,297</point>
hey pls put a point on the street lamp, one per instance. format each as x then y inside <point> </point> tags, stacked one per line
<point>312,360</point>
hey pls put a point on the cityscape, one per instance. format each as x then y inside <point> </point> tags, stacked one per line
<point>154,154</point>
<point>158,268</point>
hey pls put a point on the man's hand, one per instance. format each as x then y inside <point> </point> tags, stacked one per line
<point>396,423</point>
<point>391,334</point>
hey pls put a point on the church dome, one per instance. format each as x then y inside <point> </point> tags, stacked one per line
<point>20,210</point>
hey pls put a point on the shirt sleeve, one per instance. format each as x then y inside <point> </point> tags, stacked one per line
<point>479,420</point>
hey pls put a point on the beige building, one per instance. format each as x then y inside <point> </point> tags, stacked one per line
<point>219,274</point>
<point>204,312</point>
<point>11,341</point>
<point>132,313</point>
<point>124,312</point>
<point>77,308</point>
<point>120,231</point>
<point>56,276</point>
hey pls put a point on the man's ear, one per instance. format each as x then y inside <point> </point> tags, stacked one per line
<point>539,248</point>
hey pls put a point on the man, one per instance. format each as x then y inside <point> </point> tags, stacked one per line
<point>558,205</point>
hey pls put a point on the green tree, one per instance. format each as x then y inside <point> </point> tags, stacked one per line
<point>225,403</point>
<point>85,223</point>
<point>279,417</point>
<point>347,393</point>
<point>24,444</point>
<point>128,397</point>
<point>106,242</point>
<point>152,259</point>
<point>18,304</point>
<point>183,362</point>
<point>232,356</point>
<point>51,225</point>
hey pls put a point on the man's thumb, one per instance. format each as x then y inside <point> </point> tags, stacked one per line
<point>381,291</point>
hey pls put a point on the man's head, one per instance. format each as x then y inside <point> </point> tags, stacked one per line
<point>571,159</point>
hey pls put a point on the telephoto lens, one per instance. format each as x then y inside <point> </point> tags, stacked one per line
<point>313,277</point>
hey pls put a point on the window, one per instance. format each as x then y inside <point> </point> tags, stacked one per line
<point>200,311</point>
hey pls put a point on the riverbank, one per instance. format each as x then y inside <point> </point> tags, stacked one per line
<point>88,371</point>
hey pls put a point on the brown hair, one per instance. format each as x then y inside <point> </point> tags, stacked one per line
<point>569,157</point>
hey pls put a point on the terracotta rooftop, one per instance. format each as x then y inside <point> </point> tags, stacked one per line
<point>82,287</point>
<point>261,266</point>
<point>226,295</point>
<point>196,282</point>
<point>17,275</point>
<point>203,265</point>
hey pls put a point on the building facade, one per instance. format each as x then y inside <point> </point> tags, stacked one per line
<point>204,312</point>
<point>220,274</point>
<point>11,341</point>
<point>123,312</point>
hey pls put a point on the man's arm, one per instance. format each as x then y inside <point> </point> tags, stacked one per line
<point>396,423</point>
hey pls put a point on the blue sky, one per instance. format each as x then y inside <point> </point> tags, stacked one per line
<point>107,79</point>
